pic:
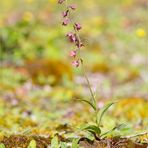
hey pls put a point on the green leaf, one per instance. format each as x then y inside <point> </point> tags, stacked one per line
<point>32,144</point>
<point>75,143</point>
<point>101,113</point>
<point>90,136</point>
<point>88,102</point>
<point>2,145</point>
<point>121,126</point>
<point>55,143</point>
<point>63,145</point>
<point>118,127</point>
<point>93,129</point>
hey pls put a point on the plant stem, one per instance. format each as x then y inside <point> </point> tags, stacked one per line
<point>83,69</point>
<point>93,99</point>
<point>89,86</point>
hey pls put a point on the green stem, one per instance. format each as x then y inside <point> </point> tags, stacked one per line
<point>89,86</point>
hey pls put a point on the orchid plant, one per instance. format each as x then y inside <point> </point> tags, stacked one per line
<point>77,61</point>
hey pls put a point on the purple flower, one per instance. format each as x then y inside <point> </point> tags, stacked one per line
<point>65,22</point>
<point>77,26</point>
<point>73,6</point>
<point>69,34</point>
<point>76,63</point>
<point>73,53</point>
<point>72,37</point>
<point>65,13</point>
<point>60,1</point>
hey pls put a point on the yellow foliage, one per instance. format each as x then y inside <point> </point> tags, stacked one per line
<point>125,74</point>
<point>101,67</point>
<point>28,123</point>
<point>144,138</point>
<point>132,108</point>
<point>1,136</point>
<point>52,71</point>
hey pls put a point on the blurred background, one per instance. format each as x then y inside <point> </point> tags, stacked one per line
<point>38,84</point>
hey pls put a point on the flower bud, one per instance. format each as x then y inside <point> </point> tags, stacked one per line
<point>60,1</point>
<point>65,13</point>
<point>65,22</point>
<point>79,44</point>
<point>77,26</point>
<point>72,37</point>
<point>73,53</point>
<point>73,6</point>
<point>76,63</point>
